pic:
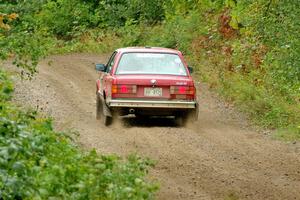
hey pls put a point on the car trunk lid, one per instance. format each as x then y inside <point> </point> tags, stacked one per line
<point>151,86</point>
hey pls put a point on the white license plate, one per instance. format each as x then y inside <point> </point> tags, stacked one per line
<point>153,92</point>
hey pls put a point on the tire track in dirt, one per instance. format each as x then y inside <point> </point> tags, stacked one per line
<point>215,158</point>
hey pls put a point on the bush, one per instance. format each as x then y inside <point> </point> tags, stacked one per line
<point>38,163</point>
<point>247,50</point>
<point>65,19</point>
<point>115,13</point>
<point>20,36</point>
<point>6,87</point>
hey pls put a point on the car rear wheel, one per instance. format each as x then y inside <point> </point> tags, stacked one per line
<point>180,120</point>
<point>186,117</point>
<point>106,120</point>
<point>101,112</point>
<point>98,108</point>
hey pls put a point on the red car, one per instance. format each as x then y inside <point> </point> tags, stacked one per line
<point>146,81</point>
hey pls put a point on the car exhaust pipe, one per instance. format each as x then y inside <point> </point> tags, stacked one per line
<point>131,110</point>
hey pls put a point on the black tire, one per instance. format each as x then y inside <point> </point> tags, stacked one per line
<point>106,120</point>
<point>192,116</point>
<point>99,111</point>
<point>107,114</point>
<point>180,120</point>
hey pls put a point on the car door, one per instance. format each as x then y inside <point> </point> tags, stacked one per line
<point>106,79</point>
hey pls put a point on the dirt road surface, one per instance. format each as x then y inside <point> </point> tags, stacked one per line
<point>219,157</point>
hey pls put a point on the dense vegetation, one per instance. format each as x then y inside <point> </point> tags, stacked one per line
<point>38,163</point>
<point>247,50</point>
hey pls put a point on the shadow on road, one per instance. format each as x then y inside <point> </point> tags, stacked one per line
<point>148,122</point>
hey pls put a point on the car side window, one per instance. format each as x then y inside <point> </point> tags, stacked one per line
<point>110,63</point>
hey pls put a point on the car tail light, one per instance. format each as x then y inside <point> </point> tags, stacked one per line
<point>182,92</point>
<point>123,89</point>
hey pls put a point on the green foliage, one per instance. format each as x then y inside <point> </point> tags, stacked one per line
<point>183,8</point>
<point>69,19</point>
<point>288,134</point>
<point>265,58</point>
<point>253,60</point>
<point>116,13</point>
<point>274,23</point>
<point>35,161</point>
<point>38,163</point>
<point>44,25</point>
<point>6,87</point>
<point>65,18</point>
<point>22,39</point>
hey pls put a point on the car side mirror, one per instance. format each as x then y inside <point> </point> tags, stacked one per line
<point>191,69</point>
<point>100,67</point>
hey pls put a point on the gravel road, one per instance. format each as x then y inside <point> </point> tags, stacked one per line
<point>219,157</point>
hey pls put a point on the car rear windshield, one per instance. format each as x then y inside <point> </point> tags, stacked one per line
<point>151,63</point>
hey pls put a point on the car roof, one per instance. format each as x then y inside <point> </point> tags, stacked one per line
<point>148,50</point>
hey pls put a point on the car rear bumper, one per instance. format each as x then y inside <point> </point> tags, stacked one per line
<point>152,104</point>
